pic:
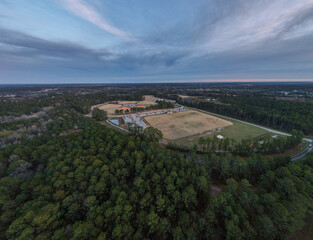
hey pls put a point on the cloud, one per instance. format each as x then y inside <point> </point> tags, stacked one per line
<point>219,39</point>
<point>18,48</point>
<point>23,53</point>
<point>83,10</point>
<point>298,19</point>
<point>219,26</point>
<point>239,23</point>
<point>21,43</point>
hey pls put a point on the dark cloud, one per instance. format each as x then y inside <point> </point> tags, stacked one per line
<point>25,51</point>
<point>290,58</point>
<point>33,46</point>
<point>301,17</point>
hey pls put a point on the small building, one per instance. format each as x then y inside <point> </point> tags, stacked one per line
<point>219,136</point>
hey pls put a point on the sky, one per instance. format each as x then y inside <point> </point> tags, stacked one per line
<point>145,41</point>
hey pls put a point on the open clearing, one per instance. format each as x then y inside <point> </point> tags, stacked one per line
<point>183,124</point>
<point>183,96</point>
<point>241,131</point>
<point>150,98</point>
<point>111,107</point>
<point>237,131</point>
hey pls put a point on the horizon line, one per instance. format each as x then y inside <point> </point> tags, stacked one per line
<point>176,81</point>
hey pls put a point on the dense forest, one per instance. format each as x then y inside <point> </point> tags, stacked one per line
<point>68,176</point>
<point>267,111</point>
<point>97,183</point>
<point>81,180</point>
<point>80,103</point>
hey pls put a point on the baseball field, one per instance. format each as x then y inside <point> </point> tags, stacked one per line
<point>123,105</point>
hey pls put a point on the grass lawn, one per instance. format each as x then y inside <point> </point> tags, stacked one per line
<point>237,131</point>
<point>240,131</point>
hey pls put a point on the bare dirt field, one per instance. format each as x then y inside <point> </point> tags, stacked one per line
<point>183,124</point>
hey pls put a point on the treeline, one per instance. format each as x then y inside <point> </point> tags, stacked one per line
<point>24,106</point>
<point>99,115</point>
<point>282,115</point>
<point>262,144</point>
<point>162,104</point>
<point>83,103</point>
<point>79,102</point>
<point>15,125</point>
<point>273,209</point>
<point>223,167</point>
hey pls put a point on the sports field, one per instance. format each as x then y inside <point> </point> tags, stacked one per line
<point>237,131</point>
<point>123,105</point>
<point>183,96</point>
<point>187,123</point>
<point>150,98</point>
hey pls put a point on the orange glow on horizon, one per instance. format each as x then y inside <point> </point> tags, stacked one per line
<point>237,80</point>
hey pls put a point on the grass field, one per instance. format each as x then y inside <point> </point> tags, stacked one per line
<point>183,96</point>
<point>237,131</point>
<point>150,98</point>
<point>183,124</point>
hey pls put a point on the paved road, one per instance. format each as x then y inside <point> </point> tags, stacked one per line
<point>302,154</point>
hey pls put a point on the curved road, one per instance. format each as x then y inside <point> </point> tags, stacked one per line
<point>302,155</point>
